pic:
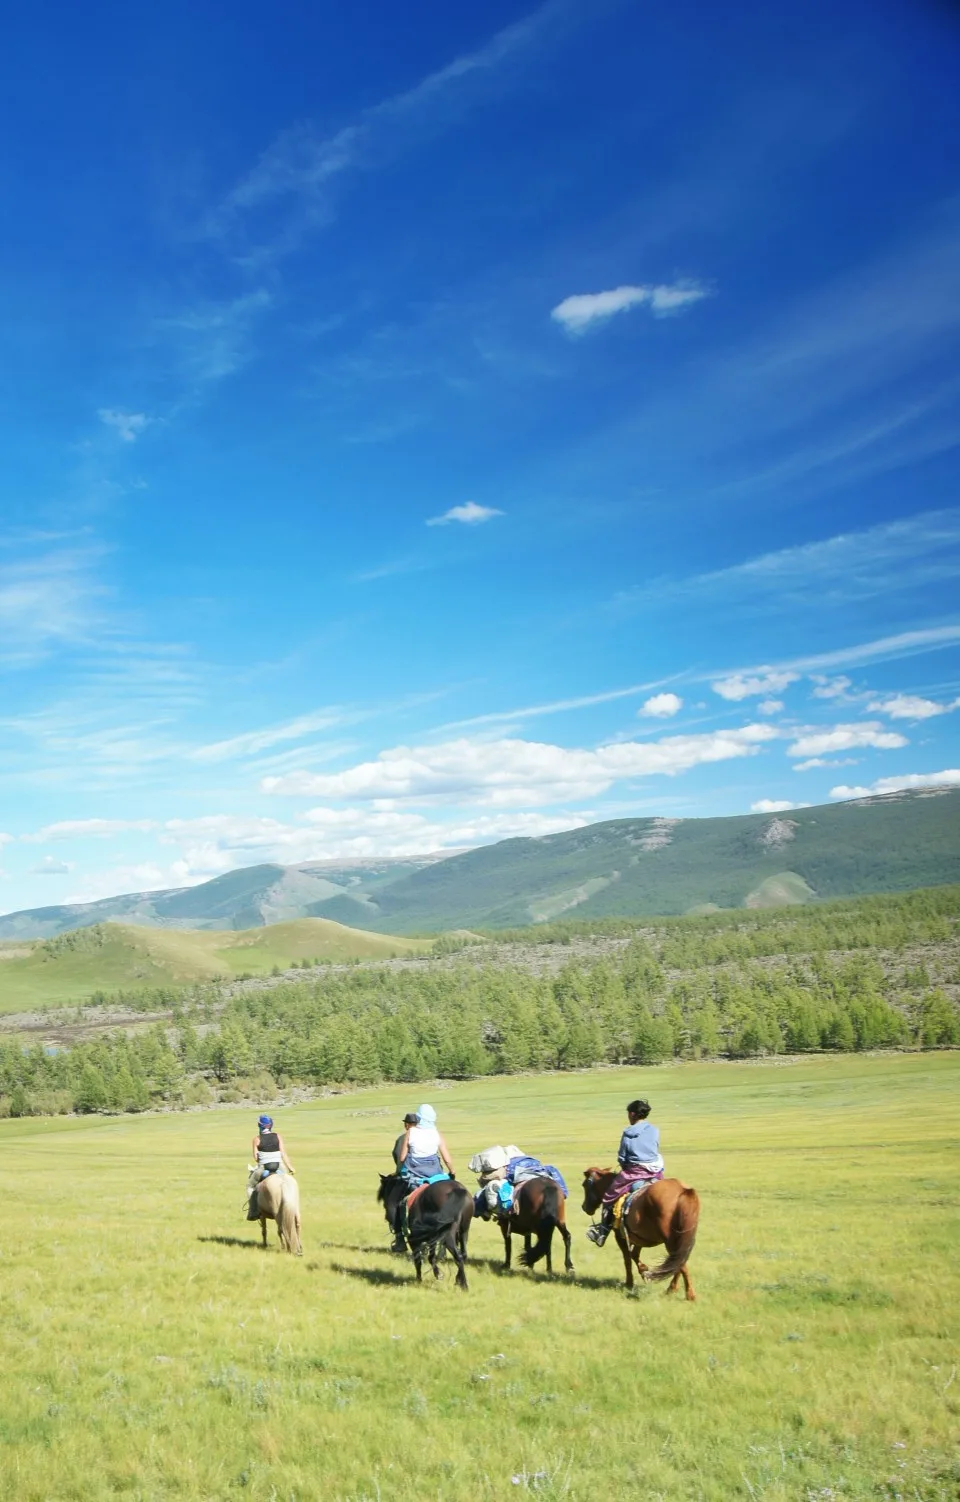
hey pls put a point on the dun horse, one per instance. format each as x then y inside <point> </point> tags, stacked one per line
<point>538,1208</point>
<point>278,1198</point>
<point>438,1217</point>
<point>665,1214</point>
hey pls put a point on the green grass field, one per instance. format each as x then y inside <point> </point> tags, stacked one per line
<point>115,956</point>
<point>150,1350</point>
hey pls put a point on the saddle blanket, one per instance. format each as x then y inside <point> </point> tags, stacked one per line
<point>622,1205</point>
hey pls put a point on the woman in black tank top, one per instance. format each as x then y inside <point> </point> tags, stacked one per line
<point>268,1149</point>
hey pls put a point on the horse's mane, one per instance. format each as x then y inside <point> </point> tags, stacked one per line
<point>598,1173</point>
<point>388,1181</point>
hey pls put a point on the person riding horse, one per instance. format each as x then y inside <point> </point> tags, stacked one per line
<point>270,1156</point>
<point>420,1155</point>
<point>640,1164</point>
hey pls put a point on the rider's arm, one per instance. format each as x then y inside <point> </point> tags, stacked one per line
<point>286,1161</point>
<point>404,1147</point>
<point>255,1148</point>
<point>445,1156</point>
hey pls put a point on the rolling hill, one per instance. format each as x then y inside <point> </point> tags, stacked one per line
<point>250,898</point>
<point>622,867</point>
<point>109,957</point>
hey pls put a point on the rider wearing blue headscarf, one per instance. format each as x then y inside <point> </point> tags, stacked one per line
<point>423,1153</point>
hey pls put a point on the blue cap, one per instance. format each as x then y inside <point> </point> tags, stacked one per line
<point>265,1121</point>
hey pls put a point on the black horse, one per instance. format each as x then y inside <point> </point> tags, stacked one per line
<point>439,1218</point>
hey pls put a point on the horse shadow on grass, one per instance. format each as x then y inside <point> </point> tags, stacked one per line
<point>231,1241</point>
<point>379,1277</point>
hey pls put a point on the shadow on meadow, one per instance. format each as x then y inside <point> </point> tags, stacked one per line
<point>249,1245</point>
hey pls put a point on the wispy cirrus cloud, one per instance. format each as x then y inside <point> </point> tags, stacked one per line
<point>250,742</point>
<point>292,188</point>
<point>49,600</point>
<point>588,310</point>
<point>100,829</point>
<point>127,425</point>
<point>211,340</point>
<point>469,515</point>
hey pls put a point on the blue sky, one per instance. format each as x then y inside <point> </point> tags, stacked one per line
<point>429,424</point>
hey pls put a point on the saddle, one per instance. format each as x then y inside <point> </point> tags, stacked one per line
<point>622,1205</point>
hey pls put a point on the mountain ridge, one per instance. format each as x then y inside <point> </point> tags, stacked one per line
<point>620,867</point>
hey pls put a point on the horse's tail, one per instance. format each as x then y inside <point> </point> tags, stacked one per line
<point>683,1234</point>
<point>547,1224</point>
<point>288,1217</point>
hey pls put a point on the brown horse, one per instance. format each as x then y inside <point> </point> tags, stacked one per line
<point>666,1214</point>
<point>538,1207</point>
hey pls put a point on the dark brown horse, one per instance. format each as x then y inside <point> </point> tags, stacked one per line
<point>666,1214</point>
<point>539,1209</point>
<point>437,1217</point>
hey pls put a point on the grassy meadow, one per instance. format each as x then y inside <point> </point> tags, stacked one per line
<point>151,1350</point>
<point>109,956</point>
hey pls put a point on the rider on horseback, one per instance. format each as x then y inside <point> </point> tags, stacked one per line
<point>640,1163</point>
<point>270,1156</point>
<point>423,1153</point>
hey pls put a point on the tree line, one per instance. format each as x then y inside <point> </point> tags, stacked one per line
<point>707,988</point>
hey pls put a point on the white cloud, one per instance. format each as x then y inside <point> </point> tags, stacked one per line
<point>469,514</point>
<point>513,772</point>
<point>847,738</point>
<point>774,806</point>
<point>142,877</point>
<point>5,839</point>
<point>830,688</point>
<point>128,425</point>
<point>216,843</point>
<point>74,829</point>
<point>770,706</point>
<point>578,313</point>
<point>821,761</point>
<point>950,777</point>
<point>51,867</point>
<point>912,707</point>
<point>765,680</point>
<point>661,706</point>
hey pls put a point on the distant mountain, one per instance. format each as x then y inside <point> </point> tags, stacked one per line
<point>626,866</point>
<point>632,866</point>
<point>250,898</point>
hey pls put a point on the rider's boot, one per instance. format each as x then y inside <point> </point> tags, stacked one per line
<point>599,1233</point>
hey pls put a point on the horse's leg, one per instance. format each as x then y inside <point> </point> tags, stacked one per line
<point>691,1295</point>
<point>418,1264</point>
<point>624,1246</point>
<point>507,1243</point>
<point>456,1250</point>
<point>434,1261</point>
<point>567,1243</point>
<point>263,1230</point>
<point>526,1243</point>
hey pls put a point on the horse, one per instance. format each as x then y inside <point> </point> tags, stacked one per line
<point>278,1198</point>
<point>538,1206</point>
<point>665,1214</point>
<point>438,1218</point>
